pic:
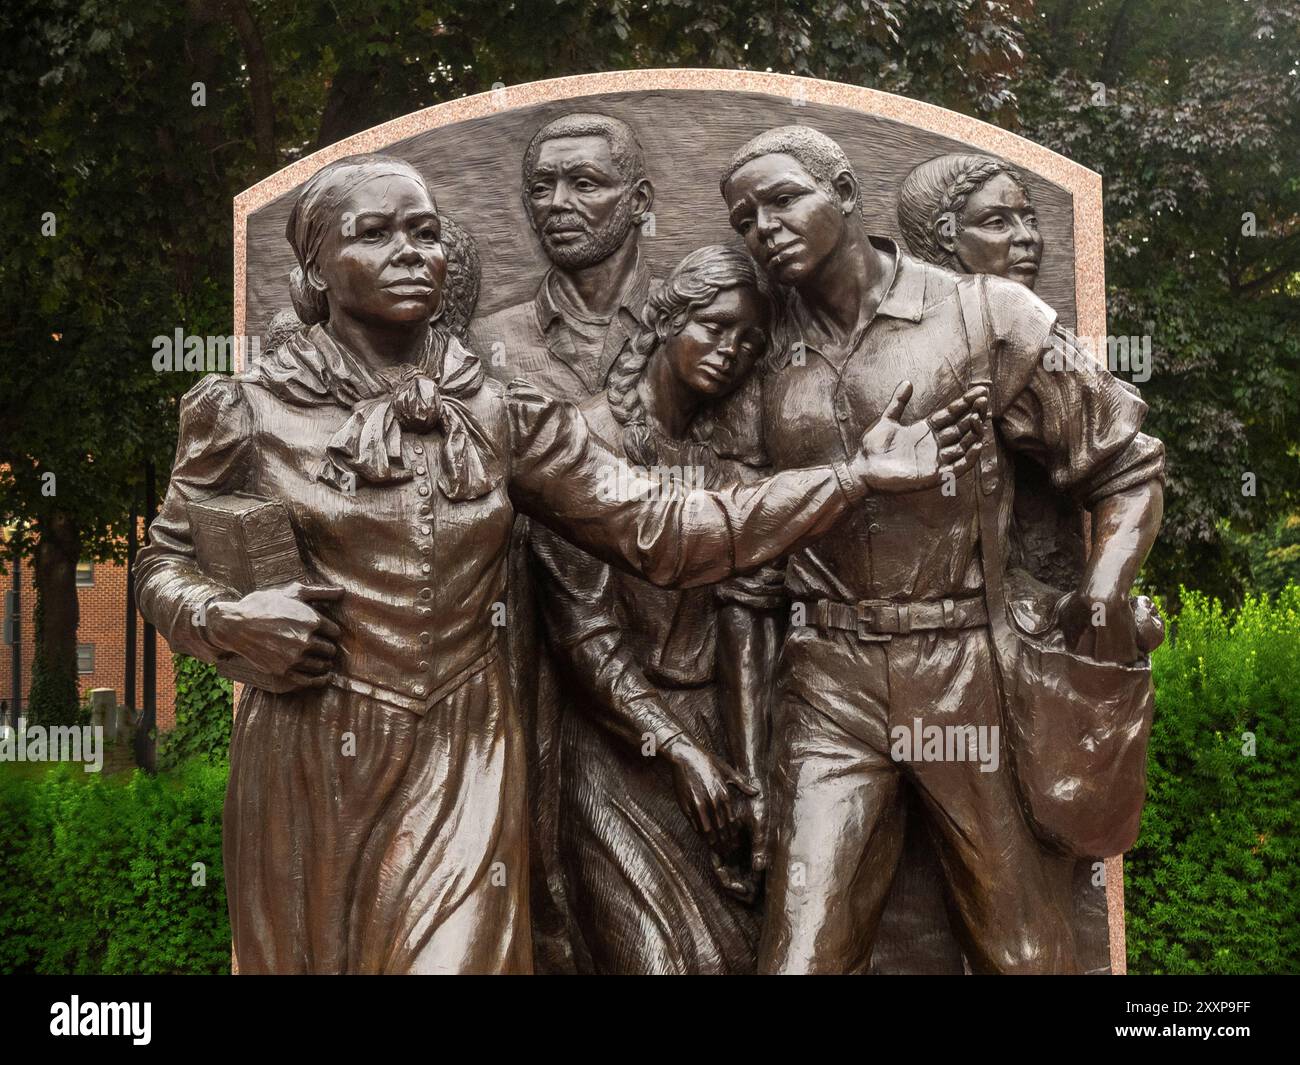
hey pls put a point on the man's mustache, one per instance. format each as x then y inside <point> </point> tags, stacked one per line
<point>572,223</point>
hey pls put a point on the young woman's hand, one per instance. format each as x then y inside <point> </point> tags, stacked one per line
<point>278,632</point>
<point>701,782</point>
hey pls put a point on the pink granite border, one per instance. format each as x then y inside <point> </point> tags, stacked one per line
<point>1083,184</point>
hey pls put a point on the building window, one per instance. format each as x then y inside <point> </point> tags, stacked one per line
<point>85,658</point>
<point>85,573</point>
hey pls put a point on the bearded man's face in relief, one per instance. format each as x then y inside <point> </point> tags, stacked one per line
<point>580,205</point>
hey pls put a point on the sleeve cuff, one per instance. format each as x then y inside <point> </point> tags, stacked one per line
<point>853,491</point>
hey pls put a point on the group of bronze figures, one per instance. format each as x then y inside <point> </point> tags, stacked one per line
<point>615,598</point>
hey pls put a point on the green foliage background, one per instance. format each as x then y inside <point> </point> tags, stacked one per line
<point>96,873</point>
<point>1213,885</point>
<point>203,715</point>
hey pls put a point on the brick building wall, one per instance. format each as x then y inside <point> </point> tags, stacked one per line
<point>101,636</point>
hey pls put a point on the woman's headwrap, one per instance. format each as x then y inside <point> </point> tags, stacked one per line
<point>316,209</point>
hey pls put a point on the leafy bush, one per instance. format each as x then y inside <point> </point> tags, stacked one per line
<point>1213,885</point>
<point>1275,554</point>
<point>97,874</point>
<point>203,715</point>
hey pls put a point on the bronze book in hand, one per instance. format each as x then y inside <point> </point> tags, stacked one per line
<point>247,543</point>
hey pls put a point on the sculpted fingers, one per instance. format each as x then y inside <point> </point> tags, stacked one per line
<point>954,452</point>
<point>972,422</point>
<point>727,877</point>
<point>324,648</point>
<point>962,464</point>
<point>898,401</point>
<point>314,592</point>
<point>745,785</point>
<point>729,825</point>
<point>708,827</point>
<point>973,400</point>
<point>327,628</point>
<point>314,665</point>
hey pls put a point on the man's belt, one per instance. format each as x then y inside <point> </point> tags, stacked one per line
<point>878,620</point>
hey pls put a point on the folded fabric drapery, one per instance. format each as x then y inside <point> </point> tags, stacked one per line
<point>312,368</point>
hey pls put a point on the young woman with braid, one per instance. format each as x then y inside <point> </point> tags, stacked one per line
<point>679,674</point>
<point>972,214</point>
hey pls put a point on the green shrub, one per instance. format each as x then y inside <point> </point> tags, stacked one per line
<point>97,874</point>
<point>1213,885</point>
<point>1275,554</point>
<point>204,701</point>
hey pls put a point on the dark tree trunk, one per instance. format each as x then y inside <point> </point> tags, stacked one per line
<point>1116,45</point>
<point>348,106</point>
<point>259,81</point>
<point>54,672</point>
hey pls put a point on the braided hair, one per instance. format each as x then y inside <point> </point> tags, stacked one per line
<point>694,283</point>
<point>938,187</point>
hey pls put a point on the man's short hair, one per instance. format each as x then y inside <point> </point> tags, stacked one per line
<point>813,150</point>
<point>624,148</point>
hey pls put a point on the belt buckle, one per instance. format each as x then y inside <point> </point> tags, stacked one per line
<point>865,611</point>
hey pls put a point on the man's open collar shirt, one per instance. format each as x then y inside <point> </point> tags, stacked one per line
<point>1080,423</point>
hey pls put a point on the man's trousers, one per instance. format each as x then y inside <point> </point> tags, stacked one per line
<point>838,810</point>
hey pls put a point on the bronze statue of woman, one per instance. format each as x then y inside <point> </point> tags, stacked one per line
<point>654,885</point>
<point>375,815</point>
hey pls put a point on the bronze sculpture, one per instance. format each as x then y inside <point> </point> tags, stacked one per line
<point>664,883</point>
<point>895,629</point>
<point>971,214</point>
<point>375,817</point>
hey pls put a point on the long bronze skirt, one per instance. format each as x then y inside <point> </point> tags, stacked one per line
<point>361,838</point>
<point>641,883</point>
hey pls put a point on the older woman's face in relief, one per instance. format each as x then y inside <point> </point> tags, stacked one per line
<point>384,261</point>
<point>998,232</point>
<point>717,347</point>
